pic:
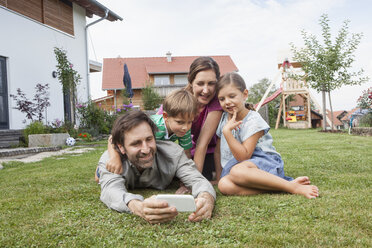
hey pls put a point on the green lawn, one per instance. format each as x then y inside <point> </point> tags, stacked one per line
<point>56,203</point>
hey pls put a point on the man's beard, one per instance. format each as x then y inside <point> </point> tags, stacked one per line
<point>144,164</point>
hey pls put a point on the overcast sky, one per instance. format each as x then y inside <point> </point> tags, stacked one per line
<point>254,33</point>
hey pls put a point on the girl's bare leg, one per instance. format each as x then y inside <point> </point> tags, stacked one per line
<point>247,175</point>
<point>227,187</point>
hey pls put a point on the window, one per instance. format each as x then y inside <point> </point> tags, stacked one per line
<point>161,80</point>
<point>297,108</point>
<point>4,122</point>
<point>180,79</point>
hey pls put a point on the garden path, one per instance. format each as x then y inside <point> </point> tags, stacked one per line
<point>32,157</point>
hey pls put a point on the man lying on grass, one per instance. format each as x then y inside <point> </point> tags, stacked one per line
<point>150,164</point>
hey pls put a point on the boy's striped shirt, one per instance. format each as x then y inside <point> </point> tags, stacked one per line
<point>162,133</point>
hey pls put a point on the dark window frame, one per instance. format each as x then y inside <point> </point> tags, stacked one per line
<point>4,82</point>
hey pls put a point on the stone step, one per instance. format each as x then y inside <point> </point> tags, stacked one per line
<point>10,137</point>
<point>21,151</point>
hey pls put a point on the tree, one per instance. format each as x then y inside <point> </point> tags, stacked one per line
<point>327,66</point>
<point>125,97</point>
<point>257,91</point>
<point>151,99</point>
<point>365,100</point>
<point>36,107</point>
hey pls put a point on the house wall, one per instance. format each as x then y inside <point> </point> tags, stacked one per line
<point>55,13</point>
<point>28,47</point>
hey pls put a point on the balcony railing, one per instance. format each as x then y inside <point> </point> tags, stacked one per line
<point>164,90</point>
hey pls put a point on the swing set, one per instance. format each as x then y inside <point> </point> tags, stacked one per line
<point>290,86</point>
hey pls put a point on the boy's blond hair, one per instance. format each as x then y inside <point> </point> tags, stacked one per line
<point>180,102</point>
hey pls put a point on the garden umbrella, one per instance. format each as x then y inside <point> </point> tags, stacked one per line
<point>127,82</point>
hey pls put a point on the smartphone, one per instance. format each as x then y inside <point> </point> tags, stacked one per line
<point>183,203</point>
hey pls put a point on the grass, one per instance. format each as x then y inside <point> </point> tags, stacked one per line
<point>55,202</point>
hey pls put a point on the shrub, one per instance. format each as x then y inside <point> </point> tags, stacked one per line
<point>366,120</point>
<point>365,100</point>
<point>58,126</point>
<point>35,127</point>
<point>96,121</point>
<point>36,107</point>
<point>151,99</point>
<point>91,117</point>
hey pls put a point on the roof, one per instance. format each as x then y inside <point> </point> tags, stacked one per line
<point>337,113</point>
<point>336,121</point>
<point>317,114</point>
<point>95,66</point>
<point>141,68</point>
<point>103,98</point>
<point>349,114</point>
<point>94,7</point>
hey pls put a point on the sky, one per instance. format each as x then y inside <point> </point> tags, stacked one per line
<point>256,34</point>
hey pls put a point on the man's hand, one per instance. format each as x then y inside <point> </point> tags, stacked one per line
<point>204,207</point>
<point>152,210</point>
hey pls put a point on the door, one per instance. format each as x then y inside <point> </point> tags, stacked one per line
<point>4,114</point>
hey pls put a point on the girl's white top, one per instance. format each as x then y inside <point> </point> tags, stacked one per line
<point>252,123</point>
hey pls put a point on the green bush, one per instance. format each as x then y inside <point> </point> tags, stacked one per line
<point>91,117</point>
<point>151,99</point>
<point>35,127</point>
<point>96,121</point>
<point>366,120</point>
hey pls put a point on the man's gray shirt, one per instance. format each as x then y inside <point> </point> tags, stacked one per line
<point>170,161</point>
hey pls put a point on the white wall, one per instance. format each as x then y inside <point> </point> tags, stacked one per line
<point>28,47</point>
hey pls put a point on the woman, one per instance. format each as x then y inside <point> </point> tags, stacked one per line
<point>203,75</point>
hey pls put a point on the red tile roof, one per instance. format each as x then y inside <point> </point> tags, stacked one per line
<point>337,113</point>
<point>348,115</point>
<point>141,68</point>
<point>336,121</point>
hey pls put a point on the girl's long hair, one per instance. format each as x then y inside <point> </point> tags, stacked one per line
<point>238,81</point>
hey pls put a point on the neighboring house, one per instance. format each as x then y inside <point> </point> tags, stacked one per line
<point>337,116</point>
<point>355,114</point>
<point>164,73</point>
<point>29,32</point>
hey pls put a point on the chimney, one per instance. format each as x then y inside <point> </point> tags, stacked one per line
<point>169,56</point>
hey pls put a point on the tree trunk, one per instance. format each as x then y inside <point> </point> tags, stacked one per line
<point>324,110</point>
<point>330,105</point>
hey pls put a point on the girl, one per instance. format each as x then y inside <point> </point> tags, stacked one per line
<point>250,164</point>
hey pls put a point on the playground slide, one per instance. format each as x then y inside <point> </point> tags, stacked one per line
<point>270,98</point>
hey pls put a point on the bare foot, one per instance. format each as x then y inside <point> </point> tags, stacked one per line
<point>183,190</point>
<point>302,180</point>
<point>309,191</point>
<point>95,175</point>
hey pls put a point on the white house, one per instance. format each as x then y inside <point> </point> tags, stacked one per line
<point>29,32</point>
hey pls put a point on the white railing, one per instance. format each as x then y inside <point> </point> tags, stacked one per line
<point>164,90</point>
<point>292,84</point>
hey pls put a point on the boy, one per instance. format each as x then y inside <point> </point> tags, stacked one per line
<point>179,110</point>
